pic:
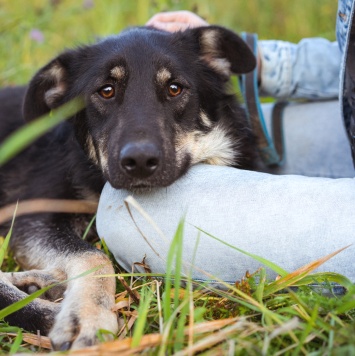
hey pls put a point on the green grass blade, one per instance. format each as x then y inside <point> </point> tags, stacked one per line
<point>179,337</point>
<point>18,339</point>
<point>17,342</point>
<point>307,330</point>
<point>143,310</point>
<point>174,250</point>
<point>168,329</point>
<point>180,328</point>
<point>259,292</point>
<point>345,307</point>
<point>174,261</point>
<point>178,261</point>
<point>298,275</point>
<point>260,259</point>
<point>6,242</point>
<point>320,277</point>
<point>33,130</point>
<point>89,227</point>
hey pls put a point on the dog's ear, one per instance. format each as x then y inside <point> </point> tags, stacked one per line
<point>223,50</point>
<point>48,88</point>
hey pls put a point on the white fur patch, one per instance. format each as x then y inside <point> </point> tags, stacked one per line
<point>212,55</point>
<point>205,119</point>
<point>220,65</point>
<point>52,95</point>
<point>118,72</point>
<point>163,76</point>
<point>56,74</point>
<point>209,40</point>
<point>214,147</point>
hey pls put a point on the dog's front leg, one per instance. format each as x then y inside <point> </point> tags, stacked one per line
<point>88,302</point>
<point>50,245</point>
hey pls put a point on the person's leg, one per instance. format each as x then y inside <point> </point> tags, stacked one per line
<point>290,220</point>
<point>316,143</point>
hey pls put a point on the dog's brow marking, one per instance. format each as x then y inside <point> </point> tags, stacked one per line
<point>163,75</point>
<point>118,72</point>
<point>214,147</point>
<point>205,119</point>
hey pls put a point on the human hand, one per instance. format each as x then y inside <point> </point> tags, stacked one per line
<point>176,21</point>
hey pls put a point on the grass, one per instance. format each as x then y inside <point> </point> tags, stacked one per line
<point>32,32</point>
<point>256,315</point>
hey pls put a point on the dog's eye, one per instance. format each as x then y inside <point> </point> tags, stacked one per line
<point>174,89</point>
<point>107,92</point>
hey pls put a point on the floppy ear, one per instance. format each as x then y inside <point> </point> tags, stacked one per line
<point>223,50</point>
<point>47,88</point>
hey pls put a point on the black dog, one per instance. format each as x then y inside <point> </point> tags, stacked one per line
<point>155,104</point>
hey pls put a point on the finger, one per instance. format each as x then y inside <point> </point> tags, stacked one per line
<point>171,16</point>
<point>171,26</point>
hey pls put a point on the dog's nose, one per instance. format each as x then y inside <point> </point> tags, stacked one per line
<point>140,160</point>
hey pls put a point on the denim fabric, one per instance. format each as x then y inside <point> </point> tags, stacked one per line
<point>310,69</point>
<point>344,20</point>
<point>290,220</point>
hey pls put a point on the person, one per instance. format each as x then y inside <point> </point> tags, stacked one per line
<point>289,219</point>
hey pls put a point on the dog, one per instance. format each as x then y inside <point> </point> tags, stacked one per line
<point>155,104</point>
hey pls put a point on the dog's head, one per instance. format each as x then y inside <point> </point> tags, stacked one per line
<point>154,101</point>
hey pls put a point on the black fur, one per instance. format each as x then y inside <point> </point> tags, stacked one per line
<point>133,140</point>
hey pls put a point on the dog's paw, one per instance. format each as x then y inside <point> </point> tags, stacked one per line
<point>78,327</point>
<point>33,280</point>
<point>88,303</point>
<point>36,316</point>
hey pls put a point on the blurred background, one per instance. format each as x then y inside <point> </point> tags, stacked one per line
<point>34,31</point>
